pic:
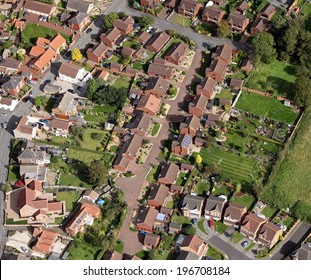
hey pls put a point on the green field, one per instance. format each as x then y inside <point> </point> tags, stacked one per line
<point>223,190</point>
<point>81,251</point>
<point>236,237</point>
<point>70,197</point>
<point>238,168</point>
<point>180,219</point>
<point>276,77</point>
<point>214,254</point>
<point>266,107</point>
<point>13,174</point>
<point>202,187</point>
<point>245,200</point>
<point>122,83</point>
<point>32,31</point>
<point>181,20</point>
<point>289,182</point>
<point>269,211</point>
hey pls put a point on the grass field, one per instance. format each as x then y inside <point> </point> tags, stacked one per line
<point>81,251</point>
<point>122,83</point>
<point>238,168</point>
<point>202,187</point>
<point>220,227</point>
<point>181,20</point>
<point>225,94</point>
<point>155,129</point>
<point>236,237</point>
<point>182,178</point>
<point>33,31</point>
<point>289,182</point>
<point>214,254</point>
<point>13,174</point>
<point>269,211</point>
<point>245,200</point>
<point>70,197</point>
<point>180,220</point>
<point>153,174</point>
<point>267,107</point>
<point>276,77</point>
<point>223,190</point>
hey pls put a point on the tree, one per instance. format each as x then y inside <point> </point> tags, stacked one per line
<point>6,187</point>
<point>304,49</point>
<point>190,230</point>
<point>111,96</point>
<point>302,89</point>
<point>198,159</point>
<point>38,101</point>
<point>91,89</point>
<point>145,21</point>
<point>223,29</point>
<point>264,47</point>
<point>98,172</point>
<point>76,54</point>
<point>109,20</point>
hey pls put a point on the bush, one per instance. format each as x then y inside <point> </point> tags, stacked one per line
<point>96,136</point>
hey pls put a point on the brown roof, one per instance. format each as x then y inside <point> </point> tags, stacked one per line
<point>236,83</point>
<point>243,5</point>
<point>91,193</point>
<point>251,222</point>
<point>192,241</point>
<point>144,37</point>
<point>54,205</point>
<point>23,126</point>
<point>131,145</point>
<point>10,63</point>
<point>158,193</point>
<point>152,239</point>
<point>223,52</point>
<point>46,240</point>
<point>6,101</point>
<point>176,188</point>
<point>268,231</point>
<point>186,166</point>
<point>189,4</point>
<point>127,51</point>
<point>122,24</point>
<point>111,34</point>
<point>42,61</point>
<point>99,49</point>
<point>116,66</point>
<point>237,20</point>
<point>160,70</point>
<point>36,51</point>
<point>177,51</point>
<point>43,42</point>
<point>213,12</point>
<point>218,66</point>
<point>141,122</point>
<point>268,10</point>
<point>208,84</point>
<point>149,102</point>
<point>147,216</point>
<point>35,185</point>
<point>234,211</point>
<point>69,69</point>
<point>261,24</point>
<point>56,42</point>
<point>200,101</point>
<point>166,211</point>
<point>158,84</point>
<point>214,203</point>
<point>158,40</point>
<point>113,256</point>
<point>39,6</point>
<point>191,122</point>
<point>247,65</point>
<point>61,124</point>
<point>169,171</point>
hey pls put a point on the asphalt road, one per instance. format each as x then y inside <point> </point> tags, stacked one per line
<point>292,242</point>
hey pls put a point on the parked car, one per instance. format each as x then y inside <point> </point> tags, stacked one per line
<point>68,54</point>
<point>80,88</point>
<point>24,249</point>
<point>168,12</point>
<point>4,125</point>
<point>43,121</point>
<point>40,18</point>
<point>25,99</point>
<point>194,221</point>
<point>245,244</point>
<point>71,90</point>
<point>24,14</point>
<point>31,93</point>
<point>47,81</point>
<point>89,30</point>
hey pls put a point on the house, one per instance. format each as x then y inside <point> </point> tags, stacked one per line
<point>250,225</point>
<point>185,255</point>
<point>79,21</point>
<point>146,219</point>
<point>304,252</point>
<point>219,2</point>
<point>143,37</point>
<point>212,14</point>
<point>155,69</point>
<point>268,11</point>
<point>90,195</point>
<point>216,70</point>
<point>102,74</point>
<point>214,207</point>
<point>60,125</point>
<point>247,65</point>
<point>128,152</point>
<point>39,8</point>
<point>125,25</point>
<point>10,66</point>
<point>206,87</point>
<point>242,7</point>
<point>192,206</point>
<point>14,85</point>
<point>25,129</point>
<point>200,142</point>
<point>79,6</point>
<point>30,172</point>
<point>190,126</point>
<point>112,256</point>
<point>189,8</point>
<point>238,23</point>
<point>66,105</point>
<point>116,68</point>
<point>57,43</point>
<point>85,216</point>
<point>151,240</point>
<point>127,52</point>
<point>110,37</point>
<point>197,107</point>
<point>73,74</point>
<point>141,124</point>
<point>149,3</point>
<point>33,156</point>
<point>97,53</point>
<point>8,103</point>
<point>157,86</point>
<point>157,42</point>
<point>269,235</point>
<point>183,145</point>
<point>175,189</point>
<point>195,245</point>
<point>174,228</point>
<point>41,62</point>
<point>212,120</point>
<point>236,85</point>
<point>46,239</point>
<point>260,25</point>
<point>176,53</point>
<point>157,196</point>
<point>185,167</point>
<point>149,104</point>
<point>224,53</point>
<point>234,214</point>
<point>168,173</point>
<point>135,93</point>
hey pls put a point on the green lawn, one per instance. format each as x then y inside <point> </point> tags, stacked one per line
<point>13,174</point>
<point>269,211</point>
<point>181,20</point>
<point>144,255</point>
<point>81,251</point>
<point>202,187</point>
<point>180,219</point>
<point>122,83</point>
<point>223,190</point>
<point>170,204</point>
<point>119,246</point>
<point>70,197</point>
<point>95,118</point>
<point>105,109</point>
<point>138,65</point>
<point>267,107</point>
<point>245,200</point>
<point>182,178</point>
<point>220,227</point>
<point>289,221</point>
<point>236,237</point>
<point>11,222</point>
<point>225,93</point>
<point>250,246</point>
<point>276,77</point>
<point>214,254</point>
<point>153,174</point>
<point>289,182</point>
<point>155,129</point>
<point>33,31</point>
<point>238,168</point>
<point>201,226</point>
<point>306,11</point>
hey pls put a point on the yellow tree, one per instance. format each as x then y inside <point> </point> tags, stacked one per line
<point>76,54</point>
<point>198,159</point>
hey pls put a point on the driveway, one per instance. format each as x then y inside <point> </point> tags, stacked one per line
<point>19,239</point>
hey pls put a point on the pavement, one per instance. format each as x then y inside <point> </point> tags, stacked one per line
<point>292,241</point>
